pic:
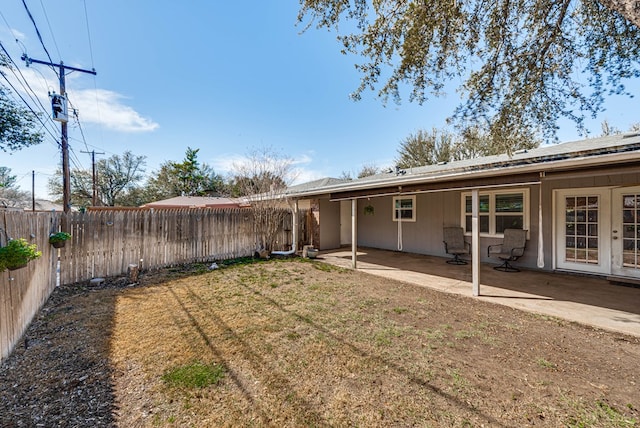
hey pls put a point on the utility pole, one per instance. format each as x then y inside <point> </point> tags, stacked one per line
<point>64,144</point>
<point>33,190</point>
<point>94,197</point>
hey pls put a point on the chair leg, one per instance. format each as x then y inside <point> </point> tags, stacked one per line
<point>456,260</point>
<point>506,267</point>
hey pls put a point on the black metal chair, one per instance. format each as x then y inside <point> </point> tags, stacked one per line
<point>511,249</point>
<point>455,245</point>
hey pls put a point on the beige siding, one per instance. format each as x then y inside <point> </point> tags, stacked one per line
<point>424,236</point>
<point>329,224</point>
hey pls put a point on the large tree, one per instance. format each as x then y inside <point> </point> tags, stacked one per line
<point>428,148</point>
<point>17,124</point>
<point>116,176</point>
<point>425,148</point>
<point>7,180</point>
<point>522,64</point>
<point>10,194</point>
<point>261,177</point>
<point>186,178</point>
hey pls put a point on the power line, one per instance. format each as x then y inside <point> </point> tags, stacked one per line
<point>66,179</point>
<point>86,18</point>
<point>50,30</point>
<point>75,115</point>
<point>16,92</point>
<point>95,84</point>
<point>25,85</point>
<point>37,32</point>
<point>8,26</point>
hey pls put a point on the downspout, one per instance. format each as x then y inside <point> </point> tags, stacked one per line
<point>294,231</point>
<point>540,234</point>
<point>399,214</point>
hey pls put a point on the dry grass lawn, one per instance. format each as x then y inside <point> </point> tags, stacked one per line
<point>301,343</point>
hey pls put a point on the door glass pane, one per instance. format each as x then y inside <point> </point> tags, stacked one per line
<point>631,231</point>
<point>581,229</point>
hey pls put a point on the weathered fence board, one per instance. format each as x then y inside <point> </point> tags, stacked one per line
<point>24,291</point>
<point>105,243</point>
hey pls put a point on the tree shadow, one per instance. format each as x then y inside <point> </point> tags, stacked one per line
<point>60,373</point>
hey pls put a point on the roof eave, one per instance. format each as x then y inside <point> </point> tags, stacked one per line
<point>543,166</point>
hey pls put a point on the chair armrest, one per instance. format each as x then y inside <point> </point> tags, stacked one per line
<point>446,250</point>
<point>493,246</point>
<point>517,252</point>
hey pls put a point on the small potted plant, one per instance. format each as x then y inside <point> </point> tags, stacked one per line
<point>17,254</point>
<point>58,239</point>
<point>312,252</point>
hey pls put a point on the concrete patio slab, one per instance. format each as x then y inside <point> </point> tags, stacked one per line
<point>588,300</point>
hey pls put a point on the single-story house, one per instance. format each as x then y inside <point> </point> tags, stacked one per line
<point>579,203</point>
<point>28,205</point>
<point>196,202</point>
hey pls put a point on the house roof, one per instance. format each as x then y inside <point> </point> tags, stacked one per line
<point>27,205</point>
<point>621,148</point>
<point>195,202</point>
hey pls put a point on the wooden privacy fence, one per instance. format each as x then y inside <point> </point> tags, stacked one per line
<point>105,243</point>
<point>24,291</point>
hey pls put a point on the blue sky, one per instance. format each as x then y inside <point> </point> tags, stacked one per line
<point>221,76</point>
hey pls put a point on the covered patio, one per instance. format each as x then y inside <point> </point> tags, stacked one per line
<point>584,299</point>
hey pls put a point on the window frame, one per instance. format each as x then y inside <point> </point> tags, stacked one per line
<point>492,213</point>
<point>413,208</point>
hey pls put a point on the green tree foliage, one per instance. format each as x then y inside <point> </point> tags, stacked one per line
<point>10,194</point>
<point>17,124</point>
<point>523,64</point>
<point>368,170</point>
<point>6,179</point>
<point>428,148</point>
<point>116,177</point>
<point>186,178</point>
<point>424,148</point>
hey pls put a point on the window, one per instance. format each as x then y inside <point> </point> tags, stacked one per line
<point>499,210</point>
<point>404,208</point>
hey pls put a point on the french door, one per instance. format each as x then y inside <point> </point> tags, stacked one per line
<point>598,230</point>
<point>626,232</point>
<point>583,230</point>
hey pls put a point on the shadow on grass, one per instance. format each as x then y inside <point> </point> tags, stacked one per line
<point>301,406</point>
<point>279,383</point>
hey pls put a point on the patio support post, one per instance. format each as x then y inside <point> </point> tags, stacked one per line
<point>294,227</point>
<point>354,233</point>
<point>475,241</point>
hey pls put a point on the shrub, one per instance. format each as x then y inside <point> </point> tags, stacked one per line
<point>17,253</point>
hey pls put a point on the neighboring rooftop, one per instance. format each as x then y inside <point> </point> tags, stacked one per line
<point>195,202</point>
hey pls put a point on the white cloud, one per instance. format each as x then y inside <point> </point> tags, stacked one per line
<point>300,172</point>
<point>106,108</point>
<point>15,34</point>
<point>97,106</point>
<point>303,175</point>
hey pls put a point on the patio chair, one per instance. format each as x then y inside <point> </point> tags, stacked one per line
<point>455,245</point>
<point>511,249</point>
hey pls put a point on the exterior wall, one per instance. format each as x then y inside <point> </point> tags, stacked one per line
<point>329,224</point>
<point>566,181</point>
<point>345,223</point>
<point>436,210</point>
<point>433,212</point>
